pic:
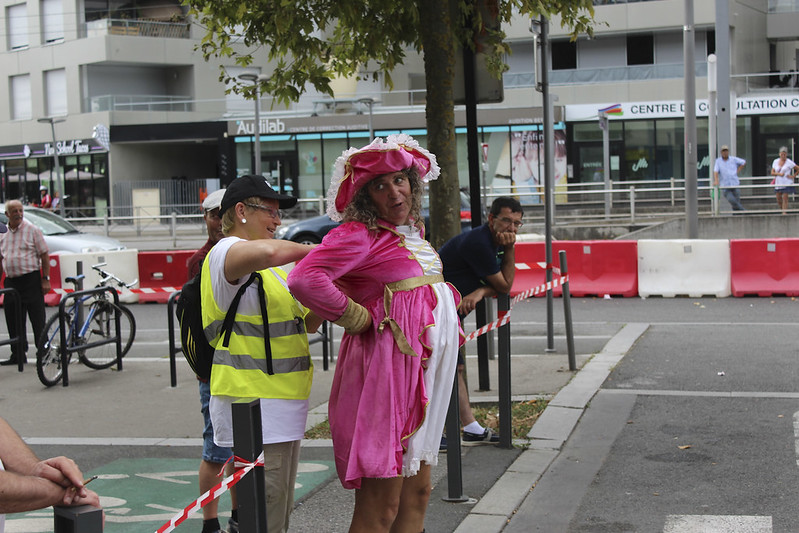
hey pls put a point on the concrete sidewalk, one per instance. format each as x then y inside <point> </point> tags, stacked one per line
<point>103,413</point>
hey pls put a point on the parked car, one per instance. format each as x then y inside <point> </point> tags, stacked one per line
<point>312,230</point>
<point>61,236</point>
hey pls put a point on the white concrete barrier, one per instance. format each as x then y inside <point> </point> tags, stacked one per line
<point>123,264</point>
<point>684,267</point>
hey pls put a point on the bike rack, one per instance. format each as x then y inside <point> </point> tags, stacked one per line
<point>18,340</point>
<point>325,337</point>
<point>66,350</point>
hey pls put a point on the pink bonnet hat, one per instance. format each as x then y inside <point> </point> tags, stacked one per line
<point>357,166</point>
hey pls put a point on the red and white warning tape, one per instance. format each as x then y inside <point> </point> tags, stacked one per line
<point>242,468</point>
<point>143,290</point>
<point>504,319</point>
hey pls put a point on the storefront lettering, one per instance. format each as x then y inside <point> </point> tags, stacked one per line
<point>762,103</point>
<point>705,162</point>
<point>647,109</point>
<point>640,164</point>
<point>67,148</point>
<point>266,126</point>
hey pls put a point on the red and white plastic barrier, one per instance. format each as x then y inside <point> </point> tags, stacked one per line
<point>764,267</point>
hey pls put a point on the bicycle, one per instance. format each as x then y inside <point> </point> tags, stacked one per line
<point>98,324</point>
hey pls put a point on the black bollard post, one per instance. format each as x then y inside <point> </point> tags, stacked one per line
<point>567,310</point>
<point>327,331</point>
<point>454,467</point>
<point>505,415</point>
<point>78,519</point>
<point>481,316</point>
<point>248,444</point>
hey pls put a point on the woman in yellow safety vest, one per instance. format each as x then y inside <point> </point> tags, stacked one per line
<point>272,363</point>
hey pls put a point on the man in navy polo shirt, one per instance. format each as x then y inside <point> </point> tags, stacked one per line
<point>481,263</point>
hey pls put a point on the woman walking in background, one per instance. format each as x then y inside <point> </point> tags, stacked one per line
<point>784,171</point>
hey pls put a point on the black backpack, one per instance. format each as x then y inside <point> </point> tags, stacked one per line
<point>198,352</point>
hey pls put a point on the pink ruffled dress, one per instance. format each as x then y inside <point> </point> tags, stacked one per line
<point>387,408</point>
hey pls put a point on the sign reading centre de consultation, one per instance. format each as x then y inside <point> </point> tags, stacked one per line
<point>749,105</point>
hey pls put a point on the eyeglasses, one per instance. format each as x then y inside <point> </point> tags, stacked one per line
<point>516,223</point>
<point>274,213</point>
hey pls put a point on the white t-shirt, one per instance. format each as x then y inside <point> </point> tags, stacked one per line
<point>281,420</point>
<point>784,170</point>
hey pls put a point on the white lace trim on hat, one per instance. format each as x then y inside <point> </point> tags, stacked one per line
<point>392,142</point>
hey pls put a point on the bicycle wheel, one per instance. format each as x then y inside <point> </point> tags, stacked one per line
<point>102,327</point>
<point>48,357</point>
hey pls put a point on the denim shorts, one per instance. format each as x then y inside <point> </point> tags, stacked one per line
<point>211,452</point>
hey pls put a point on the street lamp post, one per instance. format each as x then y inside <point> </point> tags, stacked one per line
<point>58,181</point>
<point>256,80</point>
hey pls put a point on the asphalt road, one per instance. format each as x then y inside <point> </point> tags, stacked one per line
<point>695,430</point>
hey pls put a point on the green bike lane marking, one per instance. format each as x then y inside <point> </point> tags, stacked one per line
<point>140,495</point>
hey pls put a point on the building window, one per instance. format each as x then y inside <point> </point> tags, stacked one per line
<point>52,21</point>
<point>21,108</point>
<point>640,50</point>
<point>55,91</point>
<point>17,17</point>
<point>710,41</point>
<point>564,55</point>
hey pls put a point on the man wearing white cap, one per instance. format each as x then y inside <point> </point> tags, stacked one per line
<point>213,223</point>
<point>726,171</point>
<point>214,457</point>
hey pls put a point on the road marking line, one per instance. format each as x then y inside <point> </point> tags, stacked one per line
<point>708,394</point>
<point>717,524</point>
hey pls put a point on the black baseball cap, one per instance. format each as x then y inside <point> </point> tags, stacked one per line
<point>250,185</point>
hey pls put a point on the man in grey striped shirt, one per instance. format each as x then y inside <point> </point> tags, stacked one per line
<point>25,260</point>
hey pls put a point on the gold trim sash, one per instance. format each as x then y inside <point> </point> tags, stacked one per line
<point>388,294</point>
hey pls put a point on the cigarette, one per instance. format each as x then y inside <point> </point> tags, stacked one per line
<point>89,480</point>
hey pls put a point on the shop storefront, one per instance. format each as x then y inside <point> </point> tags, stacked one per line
<point>298,154</point>
<point>83,166</point>
<point>647,138</point>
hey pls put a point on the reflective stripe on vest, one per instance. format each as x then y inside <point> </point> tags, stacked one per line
<point>240,369</point>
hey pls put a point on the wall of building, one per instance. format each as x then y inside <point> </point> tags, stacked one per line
<point>138,162</point>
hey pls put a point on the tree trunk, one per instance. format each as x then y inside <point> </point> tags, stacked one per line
<point>439,67</point>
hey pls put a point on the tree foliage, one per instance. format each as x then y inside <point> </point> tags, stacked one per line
<point>311,42</point>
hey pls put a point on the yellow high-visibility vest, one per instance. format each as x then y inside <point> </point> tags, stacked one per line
<point>240,369</point>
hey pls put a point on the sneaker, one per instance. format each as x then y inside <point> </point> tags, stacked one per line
<point>473,439</point>
<point>232,526</point>
<point>443,446</point>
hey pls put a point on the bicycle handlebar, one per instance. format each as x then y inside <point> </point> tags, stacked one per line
<point>107,276</point>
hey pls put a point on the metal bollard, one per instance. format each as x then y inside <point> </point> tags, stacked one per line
<point>481,316</point>
<point>12,299</point>
<point>248,444</point>
<point>567,310</point>
<point>505,415</point>
<point>79,519</point>
<point>454,466</point>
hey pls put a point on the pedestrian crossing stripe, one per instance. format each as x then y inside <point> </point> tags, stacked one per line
<point>717,524</point>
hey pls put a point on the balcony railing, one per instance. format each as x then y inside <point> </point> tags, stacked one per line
<point>138,28</point>
<point>146,102</point>
<point>783,6</point>
<point>605,75</point>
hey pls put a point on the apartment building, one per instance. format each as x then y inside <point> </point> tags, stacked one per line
<point>139,118</point>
